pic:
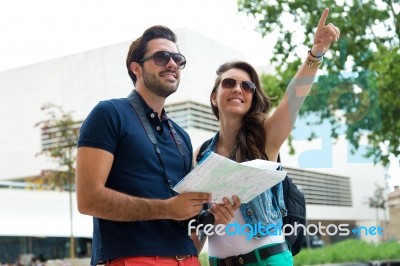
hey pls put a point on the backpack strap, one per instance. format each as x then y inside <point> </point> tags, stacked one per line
<point>202,150</point>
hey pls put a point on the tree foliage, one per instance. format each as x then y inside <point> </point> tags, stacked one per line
<point>357,91</point>
<point>377,200</point>
<point>59,140</point>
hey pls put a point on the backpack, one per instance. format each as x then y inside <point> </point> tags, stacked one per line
<point>295,204</point>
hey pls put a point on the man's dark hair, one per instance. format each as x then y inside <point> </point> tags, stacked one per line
<point>138,48</point>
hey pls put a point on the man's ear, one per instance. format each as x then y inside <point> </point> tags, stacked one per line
<point>136,68</point>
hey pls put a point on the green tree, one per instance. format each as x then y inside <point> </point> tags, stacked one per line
<point>59,141</point>
<point>378,201</point>
<point>358,88</point>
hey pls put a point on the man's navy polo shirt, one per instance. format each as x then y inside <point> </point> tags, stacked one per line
<point>114,126</point>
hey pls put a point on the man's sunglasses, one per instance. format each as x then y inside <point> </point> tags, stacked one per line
<point>247,86</point>
<point>161,58</point>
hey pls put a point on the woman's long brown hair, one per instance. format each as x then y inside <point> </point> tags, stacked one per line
<point>251,137</point>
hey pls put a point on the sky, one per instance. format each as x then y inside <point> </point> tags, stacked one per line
<point>39,30</point>
<point>35,31</point>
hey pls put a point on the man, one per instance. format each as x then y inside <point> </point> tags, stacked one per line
<point>130,155</point>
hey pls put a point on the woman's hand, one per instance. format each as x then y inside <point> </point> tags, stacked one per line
<point>324,36</point>
<point>224,212</point>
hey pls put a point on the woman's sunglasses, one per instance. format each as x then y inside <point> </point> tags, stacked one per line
<point>247,86</point>
<point>161,58</point>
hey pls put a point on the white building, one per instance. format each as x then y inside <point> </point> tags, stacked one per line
<point>337,193</point>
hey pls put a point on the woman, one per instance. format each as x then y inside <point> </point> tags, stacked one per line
<point>247,132</point>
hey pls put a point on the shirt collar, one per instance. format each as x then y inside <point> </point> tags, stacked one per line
<point>149,111</point>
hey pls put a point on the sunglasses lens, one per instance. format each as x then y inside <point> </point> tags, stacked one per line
<point>161,58</point>
<point>228,83</point>
<point>248,86</point>
<point>179,60</point>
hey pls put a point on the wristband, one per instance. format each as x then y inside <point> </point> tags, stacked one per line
<point>312,63</point>
<point>309,52</point>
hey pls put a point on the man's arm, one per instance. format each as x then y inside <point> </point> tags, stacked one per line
<point>95,199</point>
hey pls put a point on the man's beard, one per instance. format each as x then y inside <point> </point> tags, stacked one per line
<point>157,86</point>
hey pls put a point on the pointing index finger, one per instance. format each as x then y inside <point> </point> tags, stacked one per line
<point>323,18</point>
